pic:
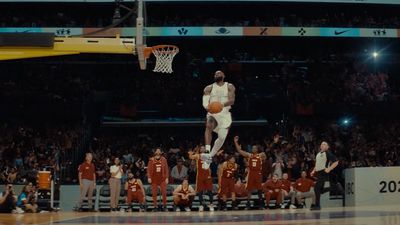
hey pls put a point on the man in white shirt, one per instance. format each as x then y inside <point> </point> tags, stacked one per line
<point>179,172</point>
<point>115,184</point>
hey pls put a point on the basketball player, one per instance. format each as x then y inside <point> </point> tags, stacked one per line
<point>226,181</point>
<point>254,169</point>
<point>184,196</point>
<point>157,173</point>
<point>223,92</point>
<point>325,162</point>
<point>203,180</point>
<point>135,192</point>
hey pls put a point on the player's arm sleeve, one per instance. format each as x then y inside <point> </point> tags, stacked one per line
<point>231,96</point>
<point>206,96</point>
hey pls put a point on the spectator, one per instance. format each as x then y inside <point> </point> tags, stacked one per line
<point>179,172</point>
<point>27,200</point>
<point>8,200</point>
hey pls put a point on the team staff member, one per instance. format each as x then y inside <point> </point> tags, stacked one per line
<point>303,187</point>
<point>157,173</point>
<point>272,190</point>
<point>325,162</point>
<point>115,184</point>
<point>87,181</point>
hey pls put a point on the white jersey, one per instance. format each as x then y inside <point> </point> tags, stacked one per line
<point>220,94</point>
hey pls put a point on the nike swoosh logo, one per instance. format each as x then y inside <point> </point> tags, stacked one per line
<point>340,32</point>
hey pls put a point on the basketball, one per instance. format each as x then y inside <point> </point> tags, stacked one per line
<point>215,107</point>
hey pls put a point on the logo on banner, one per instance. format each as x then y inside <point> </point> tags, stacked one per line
<point>379,32</point>
<point>183,31</point>
<point>222,30</point>
<point>263,31</point>
<point>63,32</point>
<point>302,31</point>
<point>340,32</point>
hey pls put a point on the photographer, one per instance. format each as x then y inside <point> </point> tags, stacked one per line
<point>7,199</point>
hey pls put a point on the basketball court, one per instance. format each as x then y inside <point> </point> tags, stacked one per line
<point>345,216</point>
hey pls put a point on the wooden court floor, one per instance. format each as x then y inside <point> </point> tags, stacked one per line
<point>387,215</point>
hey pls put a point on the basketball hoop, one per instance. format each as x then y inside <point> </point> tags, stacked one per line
<point>164,56</point>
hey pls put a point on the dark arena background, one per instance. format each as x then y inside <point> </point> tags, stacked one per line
<point>102,101</point>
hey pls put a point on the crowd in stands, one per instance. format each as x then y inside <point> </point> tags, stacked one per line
<point>26,150</point>
<point>261,14</point>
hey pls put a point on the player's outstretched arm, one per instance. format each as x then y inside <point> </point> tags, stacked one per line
<point>239,148</point>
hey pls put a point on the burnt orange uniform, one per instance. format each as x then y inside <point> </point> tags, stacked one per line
<point>134,192</point>
<point>203,178</point>
<point>184,202</point>
<point>270,188</point>
<point>227,185</point>
<point>286,184</point>
<point>157,171</point>
<point>254,175</point>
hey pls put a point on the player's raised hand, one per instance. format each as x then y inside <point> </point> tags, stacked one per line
<point>236,139</point>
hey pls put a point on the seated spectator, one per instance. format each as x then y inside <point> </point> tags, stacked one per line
<point>8,200</point>
<point>135,192</point>
<point>183,196</point>
<point>272,190</point>
<point>287,191</point>
<point>303,187</point>
<point>27,200</point>
<point>179,172</point>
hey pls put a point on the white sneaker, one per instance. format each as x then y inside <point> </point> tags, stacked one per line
<point>187,209</point>
<point>292,206</point>
<point>122,210</point>
<point>178,209</point>
<point>201,208</point>
<point>283,206</point>
<point>211,208</point>
<point>18,210</point>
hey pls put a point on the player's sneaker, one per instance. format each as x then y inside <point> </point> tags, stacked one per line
<point>201,208</point>
<point>207,159</point>
<point>187,209</point>
<point>211,208</point>
<point>292,206</point>
<point>178,209</point>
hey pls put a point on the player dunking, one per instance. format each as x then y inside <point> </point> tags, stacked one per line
<point>223,92</point>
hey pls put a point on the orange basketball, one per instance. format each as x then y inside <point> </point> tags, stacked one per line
<point>215,107</point>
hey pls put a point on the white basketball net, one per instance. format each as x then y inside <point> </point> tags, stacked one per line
<point>165,55</point>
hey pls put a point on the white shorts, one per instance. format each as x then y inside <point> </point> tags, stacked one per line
<point>224,120</point>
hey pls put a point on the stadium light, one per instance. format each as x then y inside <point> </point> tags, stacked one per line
<point>375,55</point>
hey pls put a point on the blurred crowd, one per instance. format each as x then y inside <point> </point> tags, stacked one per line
<point>26,150</point>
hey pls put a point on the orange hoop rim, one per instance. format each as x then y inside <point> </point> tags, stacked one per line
<point>149,50</point>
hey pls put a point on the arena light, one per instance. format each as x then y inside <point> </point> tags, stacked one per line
<point>375,54</point>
